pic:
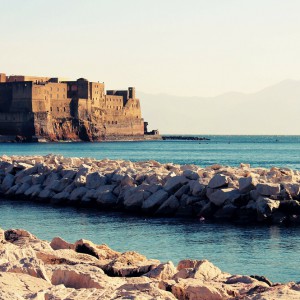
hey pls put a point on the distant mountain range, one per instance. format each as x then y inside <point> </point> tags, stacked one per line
<point>273,110</point>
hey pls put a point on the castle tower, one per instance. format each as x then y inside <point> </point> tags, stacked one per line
<point>2,77</point>
<point>131,91</point>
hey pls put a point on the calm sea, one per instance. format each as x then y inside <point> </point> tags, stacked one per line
<point>263,151</point>
<point>271,251</point>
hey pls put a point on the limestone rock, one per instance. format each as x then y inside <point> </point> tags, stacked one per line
<point>130,264</point>
<point>78,193</point>
<point>293,189</point>
<point>218,181</point>
<point>23,238</point>
<point>7,182</point>
<point>13,190</point>
<point>89,197</point>
<point>169,207</point>
<point>198,189</point>
<point>107,199</point>
<point>246,184</point>
<point>189,174</point>
<point>127,180</point>
<point>16,260</point>
<point>60,292</point>
<point>220,196</point>
<point>58,243</point>
<point>174,183</point>
<point>141,291</point>
<point>196,290</point>
<point>94,180</point>
<point>183,190</point>
<point>278,292</point>
<point>163,271</point>
<point>59,185</point>
<point>155,200</point>
<point>266,206</point>
<point>198,269</point>
<point>17,286</point>
<point>22,189</point>
<point>240,279</point>
<point>134,200</point>
<point>66,257</point>
<point>268,189</point>
<point>27,265</point>
<point>98,251</point>
<point>82,276</point>
<point>80,178</point>
<point>38,179</point>
<point>33,191</point>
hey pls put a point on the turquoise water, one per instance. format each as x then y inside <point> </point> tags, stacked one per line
<point>263,151</point>
<point>270,251</point>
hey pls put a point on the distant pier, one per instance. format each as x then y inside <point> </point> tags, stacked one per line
<point>184,138</point>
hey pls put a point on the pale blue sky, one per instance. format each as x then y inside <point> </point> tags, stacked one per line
<point>191,47</point>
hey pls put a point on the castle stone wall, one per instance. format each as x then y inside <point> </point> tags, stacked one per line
<point>46,108</point>
<point>16,123</point>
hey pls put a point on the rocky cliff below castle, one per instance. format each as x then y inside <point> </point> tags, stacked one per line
<point>35,269</point>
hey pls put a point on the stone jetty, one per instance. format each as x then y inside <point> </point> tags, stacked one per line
<point>35,269</point>
<point>236,194</point>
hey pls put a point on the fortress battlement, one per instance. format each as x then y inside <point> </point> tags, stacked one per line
<point>49,108</point>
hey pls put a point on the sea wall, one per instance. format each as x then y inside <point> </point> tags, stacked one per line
<point>241,194</point>
<point>31,268</point>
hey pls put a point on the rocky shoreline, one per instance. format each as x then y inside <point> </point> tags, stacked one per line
<point>35,269</point>
<point>235,194</point>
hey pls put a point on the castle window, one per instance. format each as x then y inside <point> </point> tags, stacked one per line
<point>64,109</point>
<point>57,108</point>
<point>45,97</point>
<point>108,122</point>
<point>58,89</point>
<point>50,108</point>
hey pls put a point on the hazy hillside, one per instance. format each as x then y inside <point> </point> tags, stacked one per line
<point>273,110</point>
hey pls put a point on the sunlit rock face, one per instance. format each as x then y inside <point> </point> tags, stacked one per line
<point>31,268</point>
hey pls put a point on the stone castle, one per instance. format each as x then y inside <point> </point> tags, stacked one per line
<point>50,109</point>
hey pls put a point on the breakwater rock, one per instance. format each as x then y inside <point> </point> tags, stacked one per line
<point>241,194</point>
<point>31,268</point>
